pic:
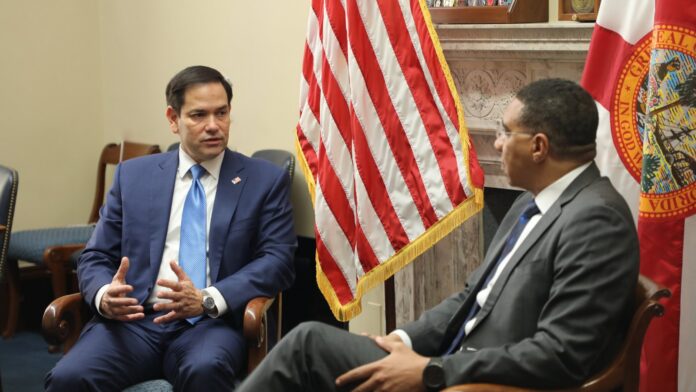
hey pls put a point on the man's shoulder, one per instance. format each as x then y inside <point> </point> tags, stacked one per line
<point>152,160</point>
<point>599,198</point>
<point>602,192</point>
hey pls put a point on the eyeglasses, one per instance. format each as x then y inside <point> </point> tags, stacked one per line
<point>503,134</point>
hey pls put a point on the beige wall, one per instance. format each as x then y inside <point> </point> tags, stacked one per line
<point>49,106</point>
<point>258,45</point>
<point>78,74</point>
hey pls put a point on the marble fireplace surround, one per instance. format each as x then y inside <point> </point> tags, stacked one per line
<point>488,63</point>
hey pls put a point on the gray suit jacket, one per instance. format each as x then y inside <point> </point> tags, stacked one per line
<point>561,306</point>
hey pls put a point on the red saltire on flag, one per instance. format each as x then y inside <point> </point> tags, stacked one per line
<point>641,69</point>
<point>382,142</point>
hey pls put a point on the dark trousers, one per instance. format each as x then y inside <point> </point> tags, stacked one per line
<point>310,358</point>
<point>112,355</point>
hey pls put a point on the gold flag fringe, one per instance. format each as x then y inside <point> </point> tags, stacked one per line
<point>345,312</point>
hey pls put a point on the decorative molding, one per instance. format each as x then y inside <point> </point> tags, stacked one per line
<point>555,41</point>
<point>489,63</point>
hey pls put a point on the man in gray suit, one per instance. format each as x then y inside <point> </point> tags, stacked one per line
<point>549,306</point>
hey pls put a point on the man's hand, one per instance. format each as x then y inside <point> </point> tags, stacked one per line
<point>115,304</point>
<point>186,298</point>
<point>401,370</point>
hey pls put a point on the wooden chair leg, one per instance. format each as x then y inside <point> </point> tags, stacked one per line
<point>13,297</point>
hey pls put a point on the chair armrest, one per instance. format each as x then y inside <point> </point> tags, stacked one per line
<point>63,320</point>
<point>61,253</point>
<point>256,330</point>
<point>58,260</point>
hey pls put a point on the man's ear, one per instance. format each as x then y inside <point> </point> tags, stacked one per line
<point>173,118</point>
<point>540,147</point>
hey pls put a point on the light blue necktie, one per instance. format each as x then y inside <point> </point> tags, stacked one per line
<point>192,245</point>
<point>529,211</point>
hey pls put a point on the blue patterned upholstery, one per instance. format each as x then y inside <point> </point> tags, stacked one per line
<point>29,245</point>
<point>150,386</point>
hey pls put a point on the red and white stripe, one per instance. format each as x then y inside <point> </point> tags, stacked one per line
<point>382,140</point>
<point>668,249</point>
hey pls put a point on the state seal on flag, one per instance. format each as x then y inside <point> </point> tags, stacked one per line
<point>653,117</point>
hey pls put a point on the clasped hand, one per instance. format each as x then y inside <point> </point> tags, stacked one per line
<point>401,370</point>
<point>185,298</point>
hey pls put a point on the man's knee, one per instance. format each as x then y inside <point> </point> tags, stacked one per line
<point>67,377</point>
<point>308,338</point>
<point>308,330</point>
<point>214,371</point>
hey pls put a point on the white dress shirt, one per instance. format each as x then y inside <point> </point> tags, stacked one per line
<point>182,184</point>
<point>544,200</point>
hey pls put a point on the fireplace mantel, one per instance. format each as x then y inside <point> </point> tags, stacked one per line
<point>489,63</point>
<point>483,40</point>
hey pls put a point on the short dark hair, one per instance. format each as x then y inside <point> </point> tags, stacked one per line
<point>564,112</point>
<point>197,74</point>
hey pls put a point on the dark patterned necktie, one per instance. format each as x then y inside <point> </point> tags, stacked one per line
<point>529,211</point>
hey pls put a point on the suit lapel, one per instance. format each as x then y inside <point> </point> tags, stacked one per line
<point>491,256</point>
<point>457,320</point>
<point>229,189</point>
<point>583,180</point>
<point>160,203</point>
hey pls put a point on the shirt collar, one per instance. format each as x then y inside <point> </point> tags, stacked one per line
<point>545,199</point>
<point>212,166</point>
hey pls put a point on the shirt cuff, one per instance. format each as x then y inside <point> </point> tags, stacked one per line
<point>97,300</point>
<point>404,337</point>
<point>219,300</point>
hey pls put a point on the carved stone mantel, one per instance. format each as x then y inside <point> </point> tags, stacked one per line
<point>489,63</point>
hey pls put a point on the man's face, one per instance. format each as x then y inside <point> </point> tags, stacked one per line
<point>204,122</point>
<point>514,144</point>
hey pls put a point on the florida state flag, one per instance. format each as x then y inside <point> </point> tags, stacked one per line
<point>641,70</point>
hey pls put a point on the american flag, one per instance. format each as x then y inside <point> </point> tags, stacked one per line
<point>382,142</point>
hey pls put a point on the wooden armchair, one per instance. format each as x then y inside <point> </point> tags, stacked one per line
<point>624,371</point>
<point>64,318</point>
<point>51,251</point>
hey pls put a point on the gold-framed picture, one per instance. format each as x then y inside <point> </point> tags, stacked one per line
<point>578,10</point>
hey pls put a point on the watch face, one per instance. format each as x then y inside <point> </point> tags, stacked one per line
<point>208,303</point>
<point>434,375</point>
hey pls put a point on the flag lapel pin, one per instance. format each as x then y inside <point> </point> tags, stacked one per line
<point>236,180</point>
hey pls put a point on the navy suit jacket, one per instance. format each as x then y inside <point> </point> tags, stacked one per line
<point>251,239</point>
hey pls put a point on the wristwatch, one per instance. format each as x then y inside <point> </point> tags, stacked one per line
<point>434,375</point>
<point>208,304</point>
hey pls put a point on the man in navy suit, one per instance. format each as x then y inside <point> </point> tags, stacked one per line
<point>153,321</point>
